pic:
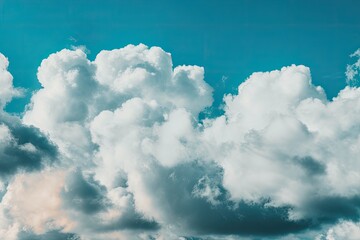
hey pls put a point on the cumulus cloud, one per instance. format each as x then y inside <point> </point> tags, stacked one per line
<point>7,90</point>
<point>134,161</point>
<point>343,230</point>
<point>22,148</point>
<point>32,202</point>
<point>280,136</point>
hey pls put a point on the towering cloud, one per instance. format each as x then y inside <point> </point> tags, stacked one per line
<point>114,148</point>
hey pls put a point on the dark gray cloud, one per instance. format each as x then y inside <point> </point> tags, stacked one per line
<point>192,238</point>
<point>52,235</point>
<point>84,194</point>
<point>332,208</point>
<point>27,149</point>
<point>86,197</point>
<point>130,220</point>
<point>311,166</point>
<point>174,188</point>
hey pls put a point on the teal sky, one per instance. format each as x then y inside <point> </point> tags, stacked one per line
<point>231,39</point>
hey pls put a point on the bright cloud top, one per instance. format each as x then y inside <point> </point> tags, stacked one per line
<point>124,153</point>
<point>7,91</point>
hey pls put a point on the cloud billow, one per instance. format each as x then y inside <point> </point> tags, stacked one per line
<point>134,161</point>
<point>22,148</point>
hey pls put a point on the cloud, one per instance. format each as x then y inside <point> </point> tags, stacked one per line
<point>7,91</point>
<point>280,136</point>
<point>23,147</point>
<point>343,230</point>
<point>84,195</point>
<point>176,191</point>
<point>134,161</point>
<point>52,235</point>
<point>352,70</point>
<point>32,202</point>
<point>147,73</point>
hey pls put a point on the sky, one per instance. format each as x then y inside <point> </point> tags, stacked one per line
<point>179,120</point>
<point>230,40</point>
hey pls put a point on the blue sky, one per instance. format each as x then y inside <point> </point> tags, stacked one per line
<point>179,120</point>
<point>230,38</point>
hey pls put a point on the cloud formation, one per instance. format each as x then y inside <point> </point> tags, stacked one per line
<point>22,148</point>
<point>352,70</point>
<point>7,91</point>
<point>343,230</point>
<point>114,148</point>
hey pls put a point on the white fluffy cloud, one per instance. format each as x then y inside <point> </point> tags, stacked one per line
<point>280,136</point>
<point>7,91</point>
<point>344,230</point>
<point>135,159</point>
<point>32,201</point>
